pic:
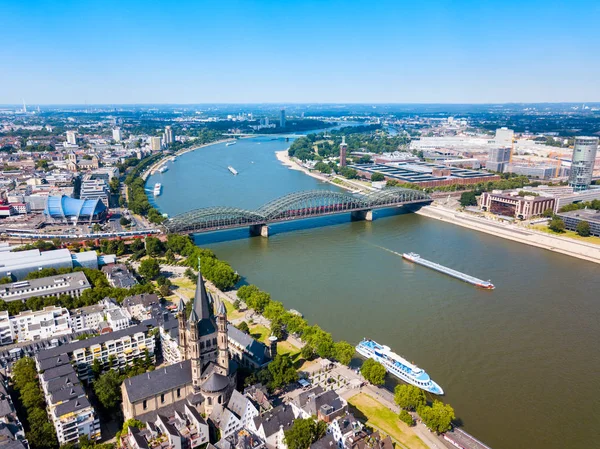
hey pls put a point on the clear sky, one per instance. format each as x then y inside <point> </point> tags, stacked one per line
<point>375,51</point>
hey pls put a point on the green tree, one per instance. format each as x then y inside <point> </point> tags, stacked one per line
<point>548,213</point>
<point>24,372</point>
<point>304,432</point>
<point>373,372</point>
<point>468,199</point>
<point>108,389</point>
<point>557,225</point>
<point>96,368</point>
<point>6,280</point>
<point>31,396</point>
<point>154,246</point>
<point>243,326</point>
<point>282,371</point>
<point>343,352</point>
<point>124,221</point>
<point>149,269</point>
<point>377,177</point>
<point>245,291</point>
<point>583,229</point>
<point>409,397</point>
<point>406,418</point>
<point>438,417</point>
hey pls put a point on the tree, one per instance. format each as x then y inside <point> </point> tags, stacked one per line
<point>304,432</point>
<point>31,396</point>
<point>154,246</point>
<point>377,177</point>
<point>438,417</point>
<point>108,389</point>
<point>557,225</point>
<point>406,418</point>
<point>282,370</point>
<point>149,268</point>
<point>243,326</point>
<point>373,372</point>
<point>468,199</point>
<point>164,290</point>
<point>245,291</point>
<point>24,372</point>
<point>124,221</point>
<point>343,352</point>
<point>409,397</point>
<point>548,213</point>
<point>96,368</point>
<point>583,229</point>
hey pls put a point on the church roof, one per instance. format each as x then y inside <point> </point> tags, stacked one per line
<point>201,314</point>
<point>158,381</point>
<point>181,306</point>
<point>215,382</point>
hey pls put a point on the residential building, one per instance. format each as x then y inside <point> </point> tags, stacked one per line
<point>72,137</point>
<point>7,335</point>
<point>69,409</point>
<point>574,217</point>
<point>236,415</point>
<point>259,394</point>
<point>204,376</point>
<point>117,135</point>
<point>168,136</point>
<point>511,204</point>
<point>139,307</point>
<point>498,159</point>
<point>344,427</point>
<point>155,143</point>
<point>271,426</point>
<point>116,319</point>
<point>73,284</point>
<point>49,322</point>
<point>582,165</point>
<point>364,440</point>
<point>119,276</point>
<point>88,317</point>
<point>11,429</point>
<point>326,405</point>
<point>282,119</point>
<point>120,348</point>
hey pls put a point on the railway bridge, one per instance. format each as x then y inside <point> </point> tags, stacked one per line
<point>294,206</point>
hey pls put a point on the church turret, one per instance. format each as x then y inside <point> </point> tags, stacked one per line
<point>194,349</point>
<point>182,329</point>
<point>223,344</point>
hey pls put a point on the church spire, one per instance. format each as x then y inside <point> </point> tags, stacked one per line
<point>202,300</point>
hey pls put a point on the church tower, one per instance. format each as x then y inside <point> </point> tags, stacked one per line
<point>194,349</point>
<point>182,330</point>
<point>223,344</point>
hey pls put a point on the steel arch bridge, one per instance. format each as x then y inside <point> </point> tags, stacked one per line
<point>294,206</point>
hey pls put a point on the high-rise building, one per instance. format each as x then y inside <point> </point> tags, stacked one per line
<point>343,148</point>
<point>504,137</point>
<point>155,143</point>
<point>72,137</point>
<point>282,119</point>
<point>498,159</point>
<point>117,136</point>
<point>168,135</point>
<point>582,165</point>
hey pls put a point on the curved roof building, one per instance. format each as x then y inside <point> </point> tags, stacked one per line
<point>70,209</point>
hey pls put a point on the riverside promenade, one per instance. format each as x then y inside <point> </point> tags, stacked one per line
<point>562,245</point>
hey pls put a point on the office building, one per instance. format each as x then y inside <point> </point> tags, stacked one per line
<point>18,264</point>
<point>50,322</point>
<point>155,143</point>
<point>534,171</point>
<point>498,159</point>
<point>95,189</point>
<point>72,284</point>
<point>117,134</point>
<point>504,137</point>
<point>511,204</point>
<point>574,217</point>
<point>582,165</point>
<point>168,135</point>
<point>282,119</point>
<point>72,137</point>
<point>343,150</point>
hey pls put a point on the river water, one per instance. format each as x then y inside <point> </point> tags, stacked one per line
<point>520,364</point>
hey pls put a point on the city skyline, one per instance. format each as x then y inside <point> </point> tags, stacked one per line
<point>303,52</point>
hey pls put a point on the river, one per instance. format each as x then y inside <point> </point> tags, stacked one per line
<point>519,364</point>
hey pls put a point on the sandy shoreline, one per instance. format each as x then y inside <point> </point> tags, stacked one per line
<point>562,245</point>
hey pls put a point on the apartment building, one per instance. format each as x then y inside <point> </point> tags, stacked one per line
<point>73,284</point>
<point>49,322</point>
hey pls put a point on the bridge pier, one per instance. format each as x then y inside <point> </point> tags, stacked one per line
<point>259,229</point>
<point>359,215</point>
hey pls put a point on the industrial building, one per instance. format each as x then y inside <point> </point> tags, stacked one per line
<point>574,217</point>
<point>17,265</point>
<point>72,284</point>
<point>425,174</point>
<point>72,211</point>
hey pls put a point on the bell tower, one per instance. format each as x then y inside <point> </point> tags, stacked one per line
<point>222,342</point>
<point>194,349</point>
<point>182,330</point>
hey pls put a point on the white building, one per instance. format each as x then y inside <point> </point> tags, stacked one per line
<point>7,335</point>
<point>87,317</point>
<point>72,137</point>
<point>504,137</point>
<point>168,135</point>
<point>155,143</point>
<point>50,322</point>
<point>117,135</point>
<point>116,319</point>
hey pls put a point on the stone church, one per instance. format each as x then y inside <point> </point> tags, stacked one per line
<point>204,378</point>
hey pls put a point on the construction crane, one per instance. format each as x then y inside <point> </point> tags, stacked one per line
<point>556,155</point>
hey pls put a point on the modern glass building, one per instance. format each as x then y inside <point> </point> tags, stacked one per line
<point>70,210</point>
<point>582,165</point>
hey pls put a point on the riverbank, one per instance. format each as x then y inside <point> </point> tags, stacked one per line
<point>569,247</point>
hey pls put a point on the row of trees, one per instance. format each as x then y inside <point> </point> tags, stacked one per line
<point>317,341</point>
<point>373,371</point>
<point>437,416</point>
<point>39,430</point>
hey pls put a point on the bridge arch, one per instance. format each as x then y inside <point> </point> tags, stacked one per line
<point>212,218</point>
<point>395,195</point>
<point>309,204</point>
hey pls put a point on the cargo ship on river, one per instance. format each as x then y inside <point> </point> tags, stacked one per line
<point>416,258</point>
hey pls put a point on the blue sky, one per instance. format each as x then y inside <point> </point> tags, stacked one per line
<point>290,51</point>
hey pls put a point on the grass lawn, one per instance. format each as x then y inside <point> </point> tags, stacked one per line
<point>232,314</point>
<point>569,234</point>
<point>381,417</point>
<point>259,332</point>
